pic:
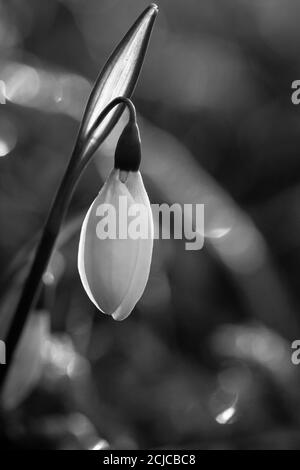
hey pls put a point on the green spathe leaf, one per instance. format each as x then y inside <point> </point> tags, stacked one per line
<point>117,78</point>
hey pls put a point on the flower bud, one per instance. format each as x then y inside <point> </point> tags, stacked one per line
<point>116,242</point>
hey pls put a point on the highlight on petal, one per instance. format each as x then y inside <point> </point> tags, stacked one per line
<point>118,77</point>
<point>114,260</point>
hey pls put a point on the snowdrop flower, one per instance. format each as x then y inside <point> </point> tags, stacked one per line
<point>116,240</point>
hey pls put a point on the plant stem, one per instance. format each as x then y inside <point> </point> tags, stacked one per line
<point>40,262</point>
<point>78,162</point>
<point>92,143</point>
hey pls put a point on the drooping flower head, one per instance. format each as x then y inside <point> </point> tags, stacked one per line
<point>116,240</point>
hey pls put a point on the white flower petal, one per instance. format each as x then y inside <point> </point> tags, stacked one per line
<point>114,272</point>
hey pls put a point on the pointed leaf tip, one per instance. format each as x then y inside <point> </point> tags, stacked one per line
<point>117,78</point>
<point>154,6</point>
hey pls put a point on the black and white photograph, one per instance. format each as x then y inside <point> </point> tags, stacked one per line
<point>150,228</point>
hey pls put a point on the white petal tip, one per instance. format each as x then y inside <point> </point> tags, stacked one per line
<point>120,315</point>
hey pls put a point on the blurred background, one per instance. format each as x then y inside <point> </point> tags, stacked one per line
<point>204,361</point>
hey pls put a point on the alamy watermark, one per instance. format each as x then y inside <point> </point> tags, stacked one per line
<point>2,92</point>
<point>132,221</point>
<point>295,358</point>
<point>2,352</point>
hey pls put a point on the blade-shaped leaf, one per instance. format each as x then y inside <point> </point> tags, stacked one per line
<point>118,76</point>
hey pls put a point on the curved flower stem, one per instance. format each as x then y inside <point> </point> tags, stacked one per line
<point>78,162</point>
<point>94,143</point>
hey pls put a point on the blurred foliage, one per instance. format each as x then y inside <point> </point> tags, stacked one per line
<point>204,361</point>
